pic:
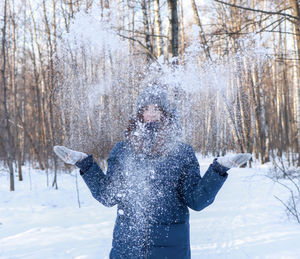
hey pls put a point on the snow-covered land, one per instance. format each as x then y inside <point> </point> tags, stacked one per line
<point>245,221</point>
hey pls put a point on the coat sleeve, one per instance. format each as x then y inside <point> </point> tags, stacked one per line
<point>104,187</point>
<point>198,192</point>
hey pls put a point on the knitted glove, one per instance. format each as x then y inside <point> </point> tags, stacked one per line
<point>69,156</point>
<point>234,160</point>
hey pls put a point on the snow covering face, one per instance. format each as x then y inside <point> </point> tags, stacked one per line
<point>155,138</point>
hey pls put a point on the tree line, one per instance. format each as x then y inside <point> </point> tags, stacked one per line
<point>240,57</point>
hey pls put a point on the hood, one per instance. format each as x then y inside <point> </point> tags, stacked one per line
<point>147,138</point>
<point>154,94</point>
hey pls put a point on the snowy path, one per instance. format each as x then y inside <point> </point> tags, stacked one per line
<point>246,221</point>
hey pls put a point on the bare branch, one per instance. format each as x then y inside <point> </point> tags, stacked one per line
<point>258,10</point>
<point>142,45</point>
<point>288,208</point>
<point>285,32</point>
<point>142,33</point>
<point>279,21</point>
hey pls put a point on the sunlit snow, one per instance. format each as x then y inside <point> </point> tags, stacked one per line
<point>245,221</point>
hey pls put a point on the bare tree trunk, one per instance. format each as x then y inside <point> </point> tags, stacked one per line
<point>172,4</point>
<point>41,127</point>
<point>201,31</point>
<point>24,99</point>
<point>50,89</point>
<point>147,28</point>
<point>9,141</point>
<point>158,29</point>
<point>258,104</point>
<point>54,25</point>
<point>296,10</point>
<point>182,29</point>
<point>14,87</point>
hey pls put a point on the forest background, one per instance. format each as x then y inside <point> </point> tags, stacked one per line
<point>72,69</point>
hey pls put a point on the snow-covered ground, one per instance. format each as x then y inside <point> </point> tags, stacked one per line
<point>245,221</point>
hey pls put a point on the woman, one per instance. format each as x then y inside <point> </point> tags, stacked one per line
<point>153,178</point>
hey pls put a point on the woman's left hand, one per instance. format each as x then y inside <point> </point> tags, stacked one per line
<point>234,160</point>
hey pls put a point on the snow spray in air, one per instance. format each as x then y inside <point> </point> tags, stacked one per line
<point>102,78</point>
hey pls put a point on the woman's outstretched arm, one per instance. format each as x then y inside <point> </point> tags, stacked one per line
<point>104,187</point>
<point>198,192</point>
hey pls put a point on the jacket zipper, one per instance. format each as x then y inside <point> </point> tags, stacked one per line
<point>147,223</point>
<point>147,239</point>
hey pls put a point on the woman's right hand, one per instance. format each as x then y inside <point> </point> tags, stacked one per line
<point>69,156</point>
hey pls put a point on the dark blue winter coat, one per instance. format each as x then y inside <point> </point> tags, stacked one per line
<point>153,195</point>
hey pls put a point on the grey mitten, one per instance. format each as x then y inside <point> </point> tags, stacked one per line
<point>234,160</point>
<point>69,156</point>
